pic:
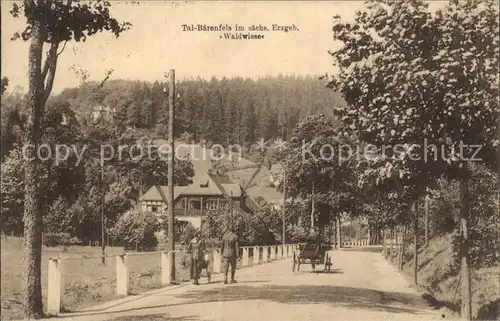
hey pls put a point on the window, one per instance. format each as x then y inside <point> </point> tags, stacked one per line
<point>154,208</point>
<point>211,205</point>
<point>195,205</point>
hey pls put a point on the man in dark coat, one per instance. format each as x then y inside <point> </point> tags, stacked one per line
<point>230,253</point>
<point>196,251</point>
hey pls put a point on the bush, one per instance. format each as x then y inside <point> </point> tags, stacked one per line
<point>186,137</point>
<point>57,239</point>
<point>185,234</point>
<point>136,229</point>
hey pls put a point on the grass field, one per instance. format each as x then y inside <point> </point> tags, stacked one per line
<point>87,282</point>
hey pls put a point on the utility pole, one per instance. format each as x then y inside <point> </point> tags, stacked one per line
<point>284,202</point>
<point>170,195</point>
<point>101,187</point>
<point>312,206</point>
<point>232,211</point>
<point>415,256</point>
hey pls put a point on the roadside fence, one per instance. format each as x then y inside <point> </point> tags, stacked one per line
<point>122,274</point>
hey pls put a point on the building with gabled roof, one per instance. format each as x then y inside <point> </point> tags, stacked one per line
<point>207,193</point>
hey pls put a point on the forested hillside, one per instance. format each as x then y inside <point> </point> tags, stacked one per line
<point>227,111</point>
<point>224,111</point>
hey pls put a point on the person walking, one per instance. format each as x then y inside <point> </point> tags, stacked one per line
<point>230,253</point>
<point>206,261</point>
<point>196,251</point>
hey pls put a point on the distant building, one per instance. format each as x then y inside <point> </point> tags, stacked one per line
<point>192,202</point>
<point>276,175</point>
<point>103,112</point>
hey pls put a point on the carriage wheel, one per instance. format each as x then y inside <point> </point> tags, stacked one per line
<point>313,263</point>
<point>298,264</point>
<point>327,267</point>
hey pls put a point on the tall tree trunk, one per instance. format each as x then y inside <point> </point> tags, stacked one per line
<point>426,220</point>
<point>391,241</point>
<point>402,248</point>
<point>415,240</point>
<point>396,244</point>
<point>312,205</point>
<point>33,219</point>
<point>384,242</point>
<point>338,233</point>
<point>466,311</point>
<point>334,232</point>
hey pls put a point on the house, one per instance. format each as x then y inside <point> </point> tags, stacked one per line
<point>208,193</point>
<point>103,112</point>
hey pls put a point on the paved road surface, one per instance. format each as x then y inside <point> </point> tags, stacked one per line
<point>362,286</point>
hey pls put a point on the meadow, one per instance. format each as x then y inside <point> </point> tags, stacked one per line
<point>86,281</point>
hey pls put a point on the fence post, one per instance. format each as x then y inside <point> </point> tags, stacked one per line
<point>265,254</point>
<point>55,286</point>
<point>282,251</point>
<point>244,260</point>
<point>256,255</point>
<point>217,261</point>
<point>165,269</point>
<point>272,255</point>
<point>121,275</point>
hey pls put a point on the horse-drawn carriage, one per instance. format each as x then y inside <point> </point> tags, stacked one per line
<point>314,254</point>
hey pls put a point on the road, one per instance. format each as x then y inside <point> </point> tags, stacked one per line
<point>361,286</point>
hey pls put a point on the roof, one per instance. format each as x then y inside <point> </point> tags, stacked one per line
<point>153,195</point>
<point>204,185</point>
<point>251,204</point>
<point>225,185</point>
<point>233,190</point>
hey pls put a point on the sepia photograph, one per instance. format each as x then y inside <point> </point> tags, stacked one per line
<point>250,160</point>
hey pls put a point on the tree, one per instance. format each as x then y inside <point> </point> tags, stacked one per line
<point>427,78</point>
<point>5,84</point>
<point>12,192</point>
<point>319,168</point>
<point>136,228</point>
<point>54,23</point>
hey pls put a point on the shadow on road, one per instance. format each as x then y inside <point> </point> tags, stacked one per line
<point>156,317</point>
<point>336,296</point>
<point>348,297</point>
<point>239,282</point>
<point>332,271</point>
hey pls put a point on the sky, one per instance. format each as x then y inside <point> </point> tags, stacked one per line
<point>156,42</point>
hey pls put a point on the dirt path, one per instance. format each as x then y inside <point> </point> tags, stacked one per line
<point>362,286</point>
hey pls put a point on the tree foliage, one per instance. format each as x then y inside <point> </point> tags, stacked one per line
<point>319,166</point>
<point>136,227</point>
<point>424,84</point>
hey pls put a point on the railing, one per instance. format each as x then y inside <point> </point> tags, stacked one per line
<point>356,243</point>
<point>260,255</point>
